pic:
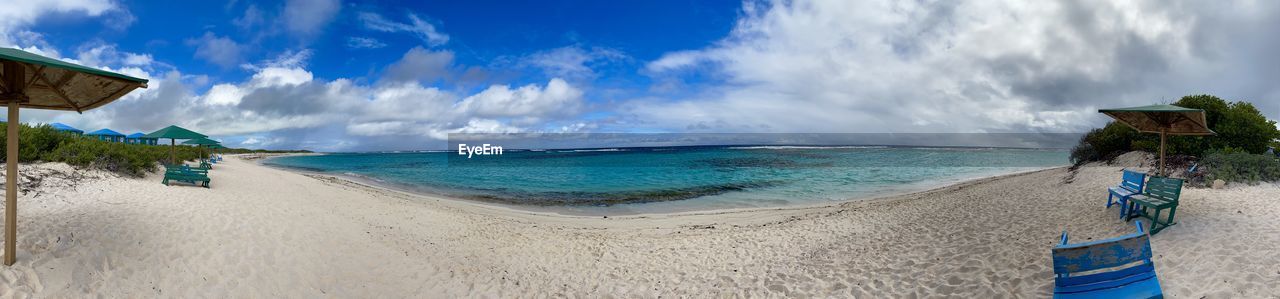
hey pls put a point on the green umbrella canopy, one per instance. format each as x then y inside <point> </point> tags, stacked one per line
<point>49,83</point>
<point>1167,119</point>
<point>175,132</point>
<point>200,141</point>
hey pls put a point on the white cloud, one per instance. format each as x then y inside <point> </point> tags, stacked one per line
<point>558,97</point>
<point>416,26</point>
<point>284,105</point>
<point>677,60</point>
<point>19,14</point>
<point>218,50</point>
<point>308,17</point>
<point>970,66</point>
<point>572,61</point>
<point>419,64</point>
<point>252,17</point>
<point>138,59</point>
<point>223,94</point>
<point>364,43</point>
<point>279,76</point>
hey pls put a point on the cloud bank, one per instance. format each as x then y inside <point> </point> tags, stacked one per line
<point>817,66</point>
<point>969,66</point>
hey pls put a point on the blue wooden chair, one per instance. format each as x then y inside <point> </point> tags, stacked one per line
<point>1113,268</point>
<point>1131,185</point>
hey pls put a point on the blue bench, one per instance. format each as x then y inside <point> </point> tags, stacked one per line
<point>1130,186</point>
<point>1113,268</point>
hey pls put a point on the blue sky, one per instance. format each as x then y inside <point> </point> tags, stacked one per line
<point>346,47</point>
<point>335,75</point>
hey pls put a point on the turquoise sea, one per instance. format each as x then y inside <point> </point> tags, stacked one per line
<point>671,179</point>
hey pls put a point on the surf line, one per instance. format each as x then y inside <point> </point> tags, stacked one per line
<point>482,150</point>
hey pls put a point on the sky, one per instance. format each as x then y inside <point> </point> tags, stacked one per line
<point>332,75</point>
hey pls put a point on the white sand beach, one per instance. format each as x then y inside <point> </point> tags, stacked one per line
<point>264,232</point>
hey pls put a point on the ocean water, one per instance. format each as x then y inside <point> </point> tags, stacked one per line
<point>672,179</point>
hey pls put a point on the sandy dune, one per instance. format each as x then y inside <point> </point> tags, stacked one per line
<point>263,232</point>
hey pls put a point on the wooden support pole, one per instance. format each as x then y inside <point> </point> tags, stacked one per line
<point>11,187</point>
<point>15,78</point>
<point>1162,133</point>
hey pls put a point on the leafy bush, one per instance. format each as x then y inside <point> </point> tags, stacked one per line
<point>1241,167</point>
<point>43,143</point>
<point>1104,144</point>
<point>1240,127</point>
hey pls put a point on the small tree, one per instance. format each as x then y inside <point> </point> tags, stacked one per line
<point>1240,126</point>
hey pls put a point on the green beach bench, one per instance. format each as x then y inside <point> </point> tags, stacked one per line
<point>1119,267</point>
<point>184,173</point>
<point>1130,185</point>
<point>1161,194</point>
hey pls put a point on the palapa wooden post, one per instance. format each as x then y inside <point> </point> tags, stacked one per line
<point>14,75</point>
<point>1162,133</point>
<point>11,187</point>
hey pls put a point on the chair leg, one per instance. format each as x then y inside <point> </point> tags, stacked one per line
<point>1124,207</point>
<point>1109,195</point>
<point>1155,221</point>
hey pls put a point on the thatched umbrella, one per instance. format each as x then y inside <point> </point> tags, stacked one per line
<point>1163,120</point>
<point>173,133</point>
<point>32,81</point>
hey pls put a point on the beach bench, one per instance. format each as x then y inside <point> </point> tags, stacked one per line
<point>1120,267</point>
<point>1161,193</point>
<point>184,173</point>
<point>1131,184</point>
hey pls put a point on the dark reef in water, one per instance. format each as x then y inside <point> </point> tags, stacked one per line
<point>616,198</point>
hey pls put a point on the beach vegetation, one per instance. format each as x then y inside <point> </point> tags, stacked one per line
<point>1241,127</point>
<point>1241,167</point>
<point>44,143</point>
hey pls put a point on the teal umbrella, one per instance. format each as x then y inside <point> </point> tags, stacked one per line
<point>201,142</point>
<point>215,147</point>
<point>173,133</point>
<point>1163,120</point>
<point>34,81</point>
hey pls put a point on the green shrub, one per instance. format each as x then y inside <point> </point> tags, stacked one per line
<point>1104,144</point>
<point>1238,166</point>
<point>1240,127</point>
<point>43,143</point>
